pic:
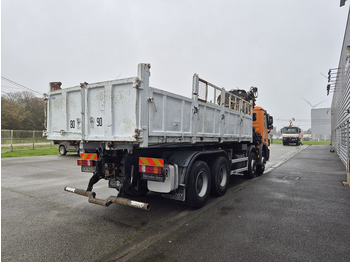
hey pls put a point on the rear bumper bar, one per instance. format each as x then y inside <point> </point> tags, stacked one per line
<point>112,199</point>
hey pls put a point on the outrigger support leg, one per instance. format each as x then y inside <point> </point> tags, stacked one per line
<point>93,180</point>
<point>112,199</point>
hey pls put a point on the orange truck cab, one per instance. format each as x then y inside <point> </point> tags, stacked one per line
<point>262,125</point>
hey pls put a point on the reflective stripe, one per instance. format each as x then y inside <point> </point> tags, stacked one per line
<point>147,161</point>
<point>88,156</point>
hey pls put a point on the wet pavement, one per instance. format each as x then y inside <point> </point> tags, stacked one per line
<point>299,211</point>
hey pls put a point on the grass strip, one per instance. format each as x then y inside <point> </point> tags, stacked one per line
<point>305,142</point>
<point>31,152</point>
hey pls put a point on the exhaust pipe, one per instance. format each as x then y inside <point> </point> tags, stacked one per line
<point>109,201</point>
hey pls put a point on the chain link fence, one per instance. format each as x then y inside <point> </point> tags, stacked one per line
<point>12,140</point>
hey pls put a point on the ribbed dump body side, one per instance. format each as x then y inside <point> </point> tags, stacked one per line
<point>129,111</point>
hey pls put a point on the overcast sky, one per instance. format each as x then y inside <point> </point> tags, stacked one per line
<point>282,47</point>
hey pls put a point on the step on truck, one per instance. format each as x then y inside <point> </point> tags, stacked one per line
<point>142,139</point>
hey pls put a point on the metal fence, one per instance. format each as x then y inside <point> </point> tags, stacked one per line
<point>339,84</point>
<point>23,139</point>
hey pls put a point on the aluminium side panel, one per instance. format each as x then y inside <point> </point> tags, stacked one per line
<point>104,111</point>
<point>174,118</point>
<point>208,121</point>
<point>64,121</point>
<point>220,124</point>
<point>170,117</point>
<point>111,111</point>
<point>129,111</point>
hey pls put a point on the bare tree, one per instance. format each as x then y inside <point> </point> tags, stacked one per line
<point>22,111</point>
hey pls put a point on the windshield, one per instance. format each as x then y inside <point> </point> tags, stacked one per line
<point>290,130</point>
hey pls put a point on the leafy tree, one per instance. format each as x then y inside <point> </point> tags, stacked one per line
<point>22,111</point>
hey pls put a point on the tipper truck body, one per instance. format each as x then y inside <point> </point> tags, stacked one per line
<point>142,139</point>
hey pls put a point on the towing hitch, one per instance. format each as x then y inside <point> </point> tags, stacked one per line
<point>112,199</point>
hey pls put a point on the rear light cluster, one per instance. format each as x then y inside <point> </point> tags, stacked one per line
<point>83,162</point>
<point>151,169</point>
<point>151,165</point>
<point>87,160</point>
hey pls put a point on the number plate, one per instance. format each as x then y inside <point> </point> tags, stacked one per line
<point>153,177</point>
<point>88,169</point>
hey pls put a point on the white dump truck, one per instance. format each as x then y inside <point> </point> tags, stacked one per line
<point>291,135</point>
<point>142,139</point>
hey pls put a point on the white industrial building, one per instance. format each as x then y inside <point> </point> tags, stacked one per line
<point>339,84</point>
<point>321,124</point>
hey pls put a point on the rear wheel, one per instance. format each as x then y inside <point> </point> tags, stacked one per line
<point>260,168</point>
<point>219,176</point>
<point>62,150</point>
<point>252,164</point>
<point>198,188</point>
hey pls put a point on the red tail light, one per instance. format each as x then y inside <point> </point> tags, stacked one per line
<point>151,165</point>
<point>83,162</point>
<point>151,169</point>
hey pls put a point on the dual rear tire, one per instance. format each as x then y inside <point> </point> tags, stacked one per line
<point>204,180</point>
<point>252,166</point>
<point>199,182</point>
<point>221,178</point>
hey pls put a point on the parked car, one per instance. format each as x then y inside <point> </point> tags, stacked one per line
<point>65,147</point>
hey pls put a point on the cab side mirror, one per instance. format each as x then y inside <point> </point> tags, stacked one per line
<point>271,120</point>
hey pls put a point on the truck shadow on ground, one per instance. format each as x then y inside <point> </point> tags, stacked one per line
<point>160,207</point>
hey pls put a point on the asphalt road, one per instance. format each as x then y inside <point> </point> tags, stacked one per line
<point>41,222</point>
<point>298,212</point>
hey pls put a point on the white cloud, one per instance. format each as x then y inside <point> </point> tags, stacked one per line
<point>279,46</point>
